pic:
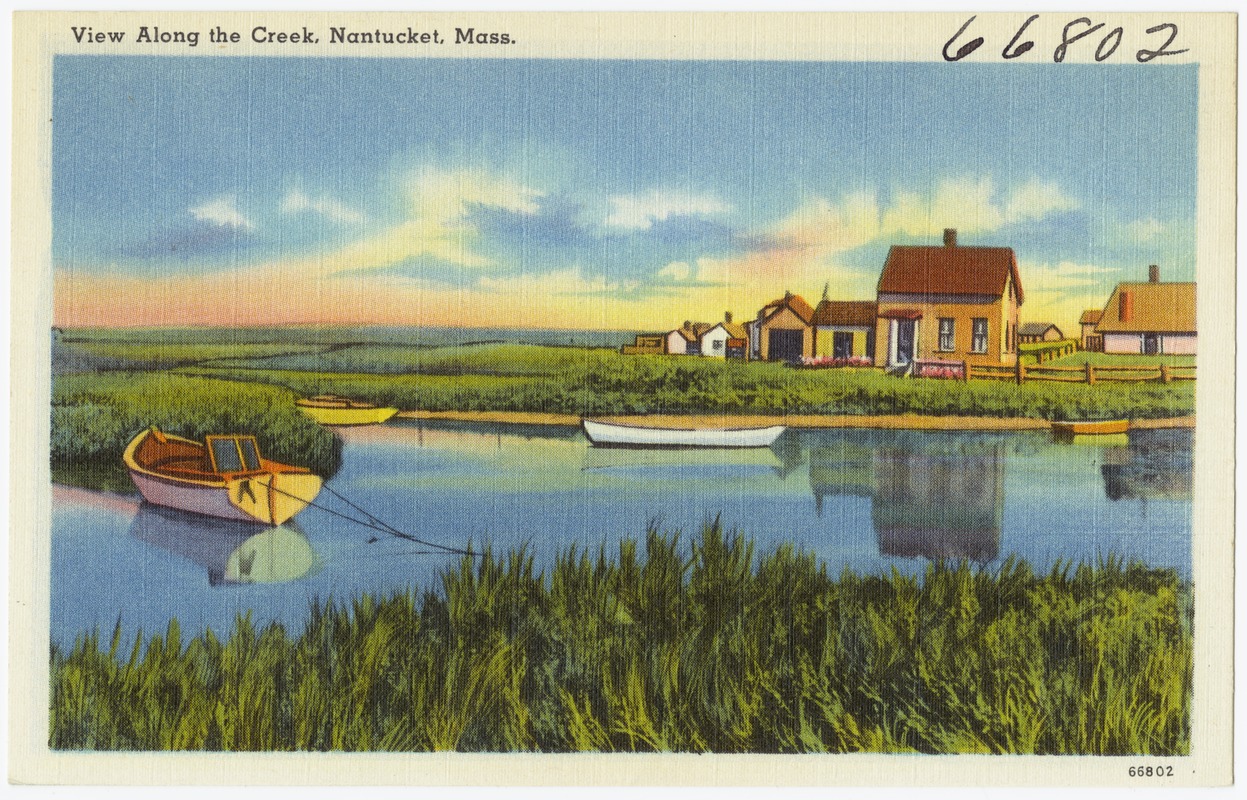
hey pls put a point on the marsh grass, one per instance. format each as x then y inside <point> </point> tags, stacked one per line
<point>94,416</point>
<point>594,381</point>
<point>667,646</point>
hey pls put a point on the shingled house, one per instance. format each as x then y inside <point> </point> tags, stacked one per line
<point>1088,339</point>
<point>686,340</point>
<point>726,339</point>
<point>782,330</point>
<point>844,328</point>
<point>1149,318</point>
<point>948,302</point>
<point>1035,332</point>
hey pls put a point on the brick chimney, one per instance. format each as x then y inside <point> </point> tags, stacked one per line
<point>1125,306</point>
<point>950,237</point>
<point>727,317</point>
<point>688,324</point>
<point>1153,273</point>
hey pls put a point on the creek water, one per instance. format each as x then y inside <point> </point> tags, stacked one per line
<point>867,500</point>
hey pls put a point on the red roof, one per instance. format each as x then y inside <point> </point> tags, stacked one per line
<point>849,313</point>
<point>902,313</point>
<point>944,269</point>
<point>795,302</point>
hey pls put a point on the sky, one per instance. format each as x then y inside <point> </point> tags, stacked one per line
<point>596,194</point>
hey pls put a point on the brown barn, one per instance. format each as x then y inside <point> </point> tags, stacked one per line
<point>783,329</point>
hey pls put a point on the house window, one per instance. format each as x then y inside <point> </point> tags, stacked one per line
<point>978,335</point>
<point>718,344</point>
<point>947,338</point>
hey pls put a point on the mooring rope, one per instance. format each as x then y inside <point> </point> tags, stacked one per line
<point>375,524</point>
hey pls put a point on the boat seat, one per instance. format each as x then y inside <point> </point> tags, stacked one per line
<point>195,463</point>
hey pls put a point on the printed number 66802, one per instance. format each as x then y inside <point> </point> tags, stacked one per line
<point>1164,771</point>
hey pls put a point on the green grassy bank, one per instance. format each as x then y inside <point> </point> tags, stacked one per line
<point>586,381</point>
<point>192,389</point>
<point>669,647</point>
<point>94,416</point>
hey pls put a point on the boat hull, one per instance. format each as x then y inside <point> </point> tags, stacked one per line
<point>1099,428</point>
<point>349,416</point>
<point>268,497</point>
<point>609,434</point>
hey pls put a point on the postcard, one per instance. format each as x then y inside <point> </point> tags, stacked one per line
<point>623,398</point>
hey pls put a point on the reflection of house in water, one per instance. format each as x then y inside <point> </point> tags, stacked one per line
<point>931,496</point>
<point>1155,465</point>
<point>840,466</point>
<point>939,505</point>
<point>231,552</point>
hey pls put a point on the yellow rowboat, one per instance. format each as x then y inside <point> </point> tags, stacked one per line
<point>1066,431</point>
<point>223,476</point>
<point>330,409</point>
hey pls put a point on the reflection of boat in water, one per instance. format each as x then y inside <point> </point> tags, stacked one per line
<point>231,551</point>
<point>614,434</point>
<point>1155,465</point>
<point>611,458</point>
<point>224,476</point>
<point>332,409</point>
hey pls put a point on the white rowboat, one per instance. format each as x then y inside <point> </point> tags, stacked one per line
<point>613,434</point>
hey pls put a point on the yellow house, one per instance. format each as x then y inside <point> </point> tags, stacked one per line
<point>948,302</point>
<point>844,328</point>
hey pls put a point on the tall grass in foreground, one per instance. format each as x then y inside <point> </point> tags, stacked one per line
<point>684,648</point>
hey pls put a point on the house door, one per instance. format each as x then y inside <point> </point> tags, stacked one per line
<point>842,344</point>
<point>784,345</point>
<point>904,341</point>
<point>1151,344</point>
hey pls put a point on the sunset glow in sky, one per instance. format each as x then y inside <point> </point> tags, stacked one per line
<point>595,194</point>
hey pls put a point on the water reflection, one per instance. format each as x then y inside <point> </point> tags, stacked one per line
<point>686,462</point>
<point>1154,465</point>
<point>231,552</point>
<point>939,505</point>
<point>931,496</point>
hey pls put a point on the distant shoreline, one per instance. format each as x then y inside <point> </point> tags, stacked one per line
<point>812,421</point>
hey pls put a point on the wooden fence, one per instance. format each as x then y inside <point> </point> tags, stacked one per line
<point>1021,373</point>
<point>1051,353</point>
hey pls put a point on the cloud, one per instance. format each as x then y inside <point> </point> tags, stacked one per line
<point>440,221</point>
<point>1143,231</point>
<point>640,212</point>
<point>1068,275</point>
<point>222,211</point>
<point>1036,200</point>
<point>296,202</point>
<point>679,271</point>
<point>565,282</point>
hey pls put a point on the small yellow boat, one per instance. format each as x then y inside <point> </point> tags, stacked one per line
<point>1066,431</point>
<point>332,409</point>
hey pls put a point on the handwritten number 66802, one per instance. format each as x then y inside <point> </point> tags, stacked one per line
<point>1079,28</point>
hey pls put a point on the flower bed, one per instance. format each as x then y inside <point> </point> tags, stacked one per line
<point>824,362</point>
<point>950,370</point>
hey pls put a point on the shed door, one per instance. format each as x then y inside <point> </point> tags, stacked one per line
<point>784,345</point>
<point>842,344</point>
